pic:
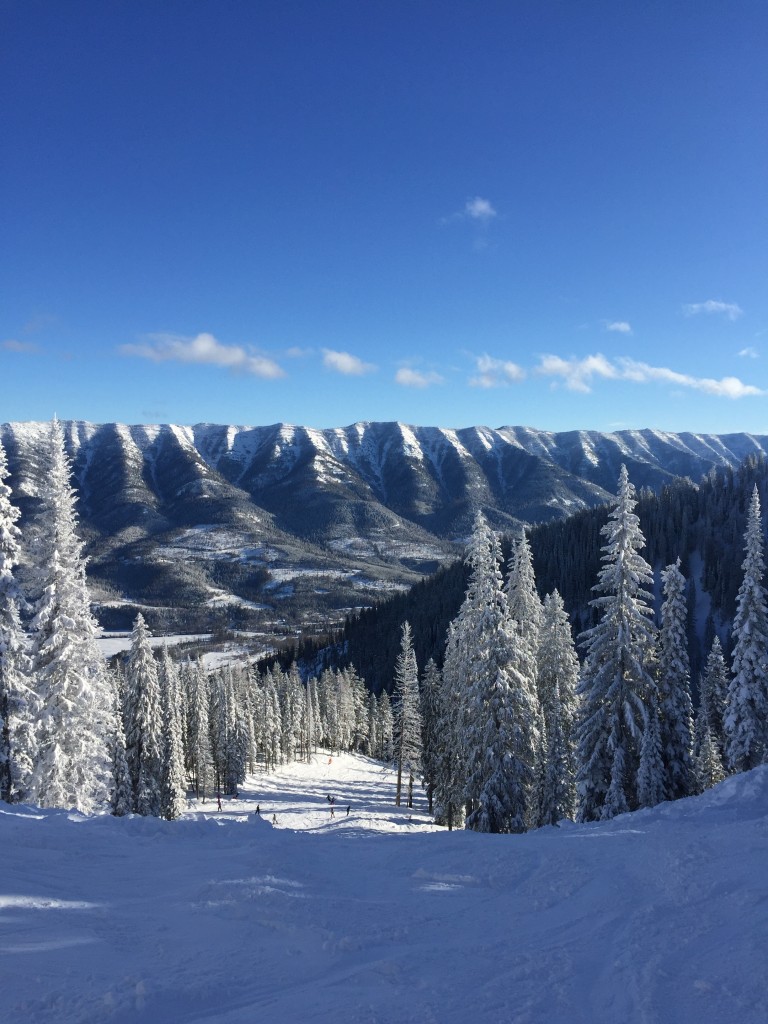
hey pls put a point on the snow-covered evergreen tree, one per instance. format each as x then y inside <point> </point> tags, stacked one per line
<point>430,718</point>
<point>72,767</point>
<point>450,762</point>
<point>652,772</point>
<point>121,796</point>
<point>407,719</point>
<point>709,763</point>
<point>143,715</point>
<point>557,779</point>
<point>502,737</point>
<point>173,782</point>
<point>713,697</point>
<point>558,678</point>
<point>17,705</point>
<point>617,685</point>
<point>237,738</point>
<point>386,727</point>
<point>674,681</point>
<point>746,718</point>
<point>523,602</point>
<point>199,742</point>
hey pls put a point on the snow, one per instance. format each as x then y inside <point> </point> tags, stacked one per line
<point>656,917</point>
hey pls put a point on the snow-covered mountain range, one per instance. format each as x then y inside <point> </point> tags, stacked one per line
<point>298,524</point>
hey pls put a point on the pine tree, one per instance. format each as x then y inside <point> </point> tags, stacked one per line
<point>526,616</point>
<point>143,713</point>
<point>72,767</point>
<point>746,718</point>
<point>713,697</point>
<point>674,679</point>
<point>407,720</point>
<point>557,789</point>
<point>709,764</point>
<point>199,743</point>
<point>651,772</point>
<point>173,783</point>
<point>523,602</point>
<point>501,738</point>
<point>617,686</point>
<point>450,763</point>
<point>121,799</point>
<point>430,717</point>
<point>558,677</point>
<point>17,748</point>
<point>386,727</point>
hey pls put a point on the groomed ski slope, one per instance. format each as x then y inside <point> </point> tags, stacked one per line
<point>659,917</point>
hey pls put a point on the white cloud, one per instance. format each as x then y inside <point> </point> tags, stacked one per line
<point>731,310</point>
<point>297,352</point>
<point>343,362</point>
<point>410,378</point>
<point>14,345</point>
<point>479,209</point>
<point>577,375</point>
<point>726,387</point>
<point>750,352</point>
<point>204,349</point>
<point>495,373</point>
<point>619,326</point>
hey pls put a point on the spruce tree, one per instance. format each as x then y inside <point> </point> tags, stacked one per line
<point>617,687</point>
<point>709,764</point>
<point>746,718</point>
<point>199,742</point>
<point>651,774</point>
<point>17,706</point>
<point>558,677</point>
<point>450,762</point>
<point>143,722</point>
<point>121,796</point>
<point>72,767</point>
<point>501,739</point>
<point>430,717</point>
<point>523,602</point>
<point>173,783</point>
<point>713,696</point>
<point>407,719</point>
<point>386,727</point>
<point>675,707</point>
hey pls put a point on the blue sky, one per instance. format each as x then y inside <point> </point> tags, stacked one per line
<point>538,213</point>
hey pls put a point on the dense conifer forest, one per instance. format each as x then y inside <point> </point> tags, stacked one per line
<point>703,524</point>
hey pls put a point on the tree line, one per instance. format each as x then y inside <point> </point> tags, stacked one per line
<point>516,734</point>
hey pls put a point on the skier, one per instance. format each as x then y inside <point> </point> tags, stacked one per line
<point>274,819</point>
<point>218,800</point>
<point>348,807</point>
<point>332,813</point>
<point>258,809</point>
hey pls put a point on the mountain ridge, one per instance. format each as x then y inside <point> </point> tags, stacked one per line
<point>251,525</point>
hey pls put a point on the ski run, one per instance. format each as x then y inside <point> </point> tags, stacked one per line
<point>659,916</point>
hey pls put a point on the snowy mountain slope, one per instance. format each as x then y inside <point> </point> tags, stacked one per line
<point>659,916</point>
<point>375,504</point>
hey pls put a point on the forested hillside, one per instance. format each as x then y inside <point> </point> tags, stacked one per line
<point>703,523</point>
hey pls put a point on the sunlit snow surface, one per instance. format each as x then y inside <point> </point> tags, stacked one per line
<point>659,917</point>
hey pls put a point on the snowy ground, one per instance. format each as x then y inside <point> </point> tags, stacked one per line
<point>660,917</point>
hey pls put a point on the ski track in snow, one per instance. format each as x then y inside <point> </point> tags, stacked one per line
<point>660,917</point>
